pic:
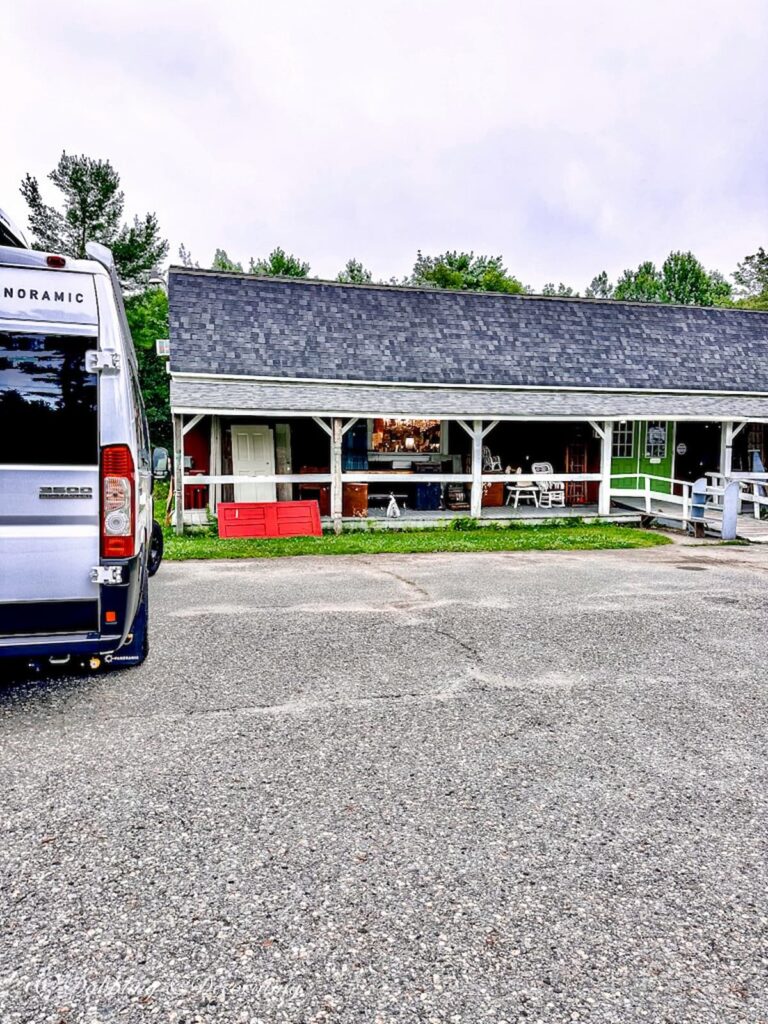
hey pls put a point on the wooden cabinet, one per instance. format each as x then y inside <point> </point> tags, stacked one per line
<point>493,494</point>
<point>576,462</point>
<point>354,500</point>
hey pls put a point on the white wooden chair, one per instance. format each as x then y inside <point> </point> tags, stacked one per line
<point>522,491</point>
<point>491,463</point>
<point>552,492</point>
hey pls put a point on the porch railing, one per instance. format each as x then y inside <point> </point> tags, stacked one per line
<point>680,507</point>
<point>647,493</point>
<point>753,489</point>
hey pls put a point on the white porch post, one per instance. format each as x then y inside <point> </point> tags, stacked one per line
<point>476,500</point>
<point>178,472</point>
<point>337,432</point>
<point>214,490</point>
<point>606,454</point>
<point>726,449</point>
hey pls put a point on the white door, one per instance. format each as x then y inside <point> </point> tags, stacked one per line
<point>253,451</point>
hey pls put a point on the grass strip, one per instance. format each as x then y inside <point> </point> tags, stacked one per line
<point>548,537</point>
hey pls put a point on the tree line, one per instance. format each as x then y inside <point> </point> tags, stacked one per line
<point>92,208</point>
<point>682,278</point>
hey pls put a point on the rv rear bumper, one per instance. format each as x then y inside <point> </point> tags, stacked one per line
<point>23,632</point>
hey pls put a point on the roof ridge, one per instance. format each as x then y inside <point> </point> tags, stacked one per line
<point>408,288</point>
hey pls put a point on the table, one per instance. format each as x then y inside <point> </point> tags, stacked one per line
<point>528,492</point>
<point>387,496</point>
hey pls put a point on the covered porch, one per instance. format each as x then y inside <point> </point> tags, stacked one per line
<point>410,471</point>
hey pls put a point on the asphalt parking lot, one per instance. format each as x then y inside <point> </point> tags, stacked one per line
<point>439,788</point>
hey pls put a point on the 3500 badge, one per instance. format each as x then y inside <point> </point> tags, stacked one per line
<point>65,492</point>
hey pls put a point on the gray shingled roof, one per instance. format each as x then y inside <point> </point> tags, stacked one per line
<point>268,327</point>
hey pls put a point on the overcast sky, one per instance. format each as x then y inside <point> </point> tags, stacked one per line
<point>569,137</point>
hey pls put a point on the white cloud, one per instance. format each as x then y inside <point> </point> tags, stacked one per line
<point>568,137</point>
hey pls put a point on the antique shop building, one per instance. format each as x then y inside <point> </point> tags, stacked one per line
<point>456,403</point>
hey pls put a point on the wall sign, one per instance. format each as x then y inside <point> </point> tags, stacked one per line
<point>682,448</point>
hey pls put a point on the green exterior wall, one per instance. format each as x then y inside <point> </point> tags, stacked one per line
<point>638,463</point>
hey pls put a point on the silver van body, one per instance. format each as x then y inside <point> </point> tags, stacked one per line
<point>69,391</point>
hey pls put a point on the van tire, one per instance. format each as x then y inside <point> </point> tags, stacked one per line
<point>135,652</point>
<point>155,548</point>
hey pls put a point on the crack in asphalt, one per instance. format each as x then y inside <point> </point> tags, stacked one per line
<point>402,579</point>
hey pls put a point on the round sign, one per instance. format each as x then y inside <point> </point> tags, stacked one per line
<point>682,448</point>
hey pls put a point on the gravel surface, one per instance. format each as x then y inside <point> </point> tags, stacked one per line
<point>437,788</point>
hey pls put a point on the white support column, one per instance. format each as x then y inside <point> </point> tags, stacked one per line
<point>336,483</point>
<point>178,472</point>
<point>476,500</point>
<point>726,449</point>
<point>606,454</point>
<point>214,490</point>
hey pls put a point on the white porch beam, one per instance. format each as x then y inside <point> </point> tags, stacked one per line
<point>192,423</point>
<point>323,424</point>
<point>730,430</point>
<point>336,484</point>
<point>466,426</point>
<point>597,428</point>
<point>738,429</point>
<point>364,477</point>
<point>606,454</point>
<point>178,472</point>
<point>258,478</point>
<point>350,423</point>
<point>490,427</point>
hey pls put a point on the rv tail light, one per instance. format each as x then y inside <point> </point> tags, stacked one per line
<point>117,502</point>
<point>56,261</point>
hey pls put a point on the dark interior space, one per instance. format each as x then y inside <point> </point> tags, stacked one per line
<point>697,449</point>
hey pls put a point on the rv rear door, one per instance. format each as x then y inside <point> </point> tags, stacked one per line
<point>49,453</point>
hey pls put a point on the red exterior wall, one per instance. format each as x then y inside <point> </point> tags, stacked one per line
<point>197,443</point>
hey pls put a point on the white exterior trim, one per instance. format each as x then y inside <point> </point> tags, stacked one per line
<point>222,377</point>
<point>348,413</point>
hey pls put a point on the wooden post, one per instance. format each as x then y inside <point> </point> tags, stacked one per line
<point>178,472</point>
<point>606,454</point>
<point>214,490</point>
<point>336,482</point>
<point>731,501</point>
<point>647,493</point>
<point>476,500</point>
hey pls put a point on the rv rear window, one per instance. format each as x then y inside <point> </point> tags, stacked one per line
<point>47,400</point>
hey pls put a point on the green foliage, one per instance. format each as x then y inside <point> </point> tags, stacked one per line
<point>751,277</point>
<point>147,314</point>
<point>464,524</point>
<point>354,273</point>
<point>279,264</point>
<point>641,285</point>
<point>185,257</point>
<point>754,301</point>
<point>93,205</point>
<point>686,281</point>
<point>222,262</point>
<point>682,279</point>
<point>464,271</point>
<point>560,291</point>
<point>599,287</point>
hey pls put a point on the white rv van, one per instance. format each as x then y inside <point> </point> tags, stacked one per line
<point>76,521</point>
